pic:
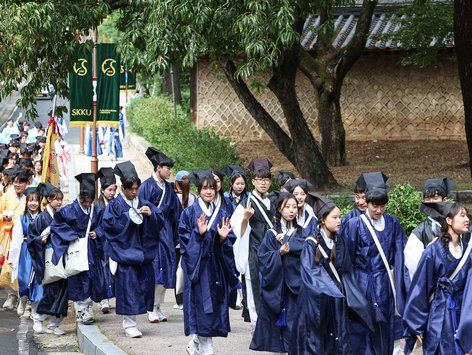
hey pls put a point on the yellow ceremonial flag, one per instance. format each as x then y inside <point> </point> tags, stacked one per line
<point>50,167</point>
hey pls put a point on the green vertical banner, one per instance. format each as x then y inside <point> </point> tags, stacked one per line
<point>127,79</point>
<point>108,86</point>
<point>81,89</point>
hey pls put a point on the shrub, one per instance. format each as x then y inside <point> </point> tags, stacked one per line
<point>344,203</point>
<point>191,148</point>
<point>404,203</point>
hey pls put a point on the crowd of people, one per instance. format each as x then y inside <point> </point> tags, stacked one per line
<point>308,280</point>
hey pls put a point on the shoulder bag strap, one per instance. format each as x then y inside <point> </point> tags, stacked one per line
<point>384,258</point>
<point>462,262</point>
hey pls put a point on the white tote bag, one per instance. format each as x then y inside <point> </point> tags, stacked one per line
<point>52,273</point>
<point>179,282</point>
<point>77,253</point>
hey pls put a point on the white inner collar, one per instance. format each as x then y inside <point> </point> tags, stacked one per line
<point>456,254</point>
<point>328,241</point>
<point>50,211</point>
<point>285,229</point>
<point>161,184</point>
<point>86,211</point>
<point>132,203</point>
<point>208,211</point>
<point>265,200</point>
<point>378,224</point>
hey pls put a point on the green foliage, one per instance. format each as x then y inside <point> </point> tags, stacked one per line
<point>345,203</point>
<point>191,148</point>
<point>404,203</point>
<point>426,28</point>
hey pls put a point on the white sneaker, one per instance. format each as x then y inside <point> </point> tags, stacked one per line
<point>20,309</point>
<point>178,306</point>
<point>152,317</point>
<point>10,302</point>
<point>55,330</point>
<point>27,312</point>
<point>37,326</point>
<point>160,315</point>
<point>105,306</point>
<point>206,345</point>
<point>133,332</point>
<point>85,317</point>
<point>192,347</point>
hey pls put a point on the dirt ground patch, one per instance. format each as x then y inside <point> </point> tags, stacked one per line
<point>403,161</point>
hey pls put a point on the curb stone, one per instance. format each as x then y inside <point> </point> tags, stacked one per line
<point>92,341</point>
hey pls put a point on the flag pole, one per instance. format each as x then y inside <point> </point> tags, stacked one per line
<point>94,160</point>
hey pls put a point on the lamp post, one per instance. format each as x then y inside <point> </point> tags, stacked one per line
<point>94,160</point>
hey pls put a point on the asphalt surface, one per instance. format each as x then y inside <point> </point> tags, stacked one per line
<point>15,332</point>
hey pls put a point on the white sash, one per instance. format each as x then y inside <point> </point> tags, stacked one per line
<point>325,255</point>
<point>384,259</point>
<point>213,216</point>
<point>258,205</point>
<point>310,217</point>
<point>162,197</point>
<point>462,262</point>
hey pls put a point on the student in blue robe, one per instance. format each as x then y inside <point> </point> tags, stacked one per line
<point>464,329</point>
<point>251,220</point>
<point>157,190</point>
<point>220,199</point>
<point>88,141</point>
<point>130,226</point>
<point>359,200</point>
<point>107,193</point>
<point>435,190</point>
<point>279,266</point>
<point>54,301</point>
<point>115,148</point>
<point>282,178</point>
<point>20,257</point>
<point>385,292</point>
<point>237,185</point>
<point>206,244</point>
<point>328,291</point>
<point>79,220</point>
<point>433,307</point>
<point>306,217</point>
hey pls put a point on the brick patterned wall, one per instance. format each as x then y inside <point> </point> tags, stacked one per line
<point>380,100</point>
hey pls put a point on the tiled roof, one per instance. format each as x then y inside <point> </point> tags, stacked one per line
<point>384,21</point>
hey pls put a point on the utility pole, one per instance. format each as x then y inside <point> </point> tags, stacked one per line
<point>173,88</point>
<point>94,160</point>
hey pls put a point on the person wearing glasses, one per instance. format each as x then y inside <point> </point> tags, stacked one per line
<point>251,220</point>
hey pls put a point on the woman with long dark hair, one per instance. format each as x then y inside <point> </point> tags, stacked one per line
<point>433,307</point>
<point>306,217</point>
<point>322,325</point>
<point>206,243</point>
<point>182,189</point>
<point>237,185</point>
<point>218,176</point>
<point>279,266</point>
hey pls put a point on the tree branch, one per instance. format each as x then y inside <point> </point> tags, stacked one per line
<point>354,49</point>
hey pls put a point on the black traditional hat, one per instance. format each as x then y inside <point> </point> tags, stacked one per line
<point>42,139</point>
<point>293,183</point>
<point>158,158</point>
<point>87,183</point>
<point>443,186</point>
<point>25,161</point>
<point>14,137</point>
<point>259,164</point>
<point>198,175</point>
<point>232,170</point>
<point>320,204</point>
<point>283,176</point>
<point>22,174</point>
<point>107,177</point>
<point>375,180</point>
<point>436,210</point>
<point>125,170</point>
<point>31,190</point>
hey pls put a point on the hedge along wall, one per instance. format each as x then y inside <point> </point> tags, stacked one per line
<point>191,148</point>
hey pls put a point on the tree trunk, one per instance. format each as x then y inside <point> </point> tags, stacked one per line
<point>309,161</point>
<point>302,152</point>
<point>463,44</point>
<point>333,138</point>
<point>166,85</point>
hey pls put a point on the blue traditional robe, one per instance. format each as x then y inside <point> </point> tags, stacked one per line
<point>53,300</point>
<point>24,261</point>
<point>322,316</point>
<point>373,279</point>
<point>109,279</point>
<point>356,212</point>
<point>280,284</point>
<point>464,331</point>
<point>115,149</point>
<point>165,263</point>
<point>210,280</point>
<point>434,302</point>
<point>133,247</point>
<point>233,201</point>
<point>69,224</point>
<point>309,223</point>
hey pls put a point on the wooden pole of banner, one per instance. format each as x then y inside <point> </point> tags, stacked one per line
<point>94,160</point>
<point>81,140</point>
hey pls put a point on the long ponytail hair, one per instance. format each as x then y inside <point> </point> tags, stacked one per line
<point>453,211</point>
<point>184,187</point>
<point>319,238</point>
